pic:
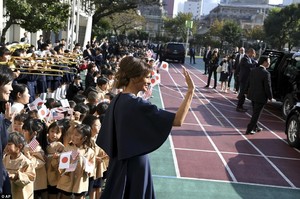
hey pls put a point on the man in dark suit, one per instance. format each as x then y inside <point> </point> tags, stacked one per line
<point>206,59</point>
<point>236,68</point>
<point>260,91</point>
<point>247,63</point>
<point>192,55</point>
<point>40,42</point>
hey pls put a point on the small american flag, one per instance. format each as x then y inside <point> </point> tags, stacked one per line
<point>57,115</point>
<point>33,144</point>
<point>74,154</point>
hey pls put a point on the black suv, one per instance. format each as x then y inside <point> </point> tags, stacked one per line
<point>172,51</point>
<point>285,77</point>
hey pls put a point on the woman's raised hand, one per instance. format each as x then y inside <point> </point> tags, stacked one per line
<point>188,80</point>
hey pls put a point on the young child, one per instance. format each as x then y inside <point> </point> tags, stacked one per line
<point>224,74</point>
<point>18,122</point>
<point>83,157</point>
<point>102,159</point>
<point>33,129</point>
<point>102,85</point>
<point>20,169</point>
<point>56,130</point>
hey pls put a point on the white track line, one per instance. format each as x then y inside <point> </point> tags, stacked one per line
<point>210,140</point>
<point>232,125</point>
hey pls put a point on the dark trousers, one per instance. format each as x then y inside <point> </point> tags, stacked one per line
<point>236,82</point>
<point>192,58</point>
<point>242,93</point>
<point>205,68</point>
<point>210,72</point>
<point>257,108</point>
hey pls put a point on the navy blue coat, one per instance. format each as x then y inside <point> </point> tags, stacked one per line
<point>131,129</point>
<point>4,124</point>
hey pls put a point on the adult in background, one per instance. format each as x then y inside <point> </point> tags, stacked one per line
<point>206,59</point>
<point>247,63</point>
<point>6,79</point>
<point>236,68</point>
<point>134,127</point>
<point>192,55</point>
<point>260,91</point>
<point>212,68</point>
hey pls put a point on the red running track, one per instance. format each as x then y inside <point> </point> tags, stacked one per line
<point>211,143</point>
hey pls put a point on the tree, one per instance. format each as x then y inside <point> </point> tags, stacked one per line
<point>34,15</point>
<point>215,31</point>
<point>231,32</point>
<point>104,8</point>
<point>282,26</point>
<point>176,28</point>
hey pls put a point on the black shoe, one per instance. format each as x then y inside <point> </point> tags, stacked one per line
<point>241,109</point>
<point>204,73</point>
<point>206,86</point>
<point>258,129</point>
<point>250,132</point>
<point>215,87</point>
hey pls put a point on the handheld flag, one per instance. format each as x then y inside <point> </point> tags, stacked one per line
<point>164,66</point>
<point>64,160</point>
<point>33,144</point>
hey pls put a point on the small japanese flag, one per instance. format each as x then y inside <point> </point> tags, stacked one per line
<point>88,166</point>
<point>164,66</point>
<point>33,144</point>
<point>149,53</point>
<point>64,160</point>
<point>43,112</point>
<point>155,79</point>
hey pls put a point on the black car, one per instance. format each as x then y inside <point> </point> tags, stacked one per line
<point>292,127</point>
<point>172,51</point>
<point>285,76</point>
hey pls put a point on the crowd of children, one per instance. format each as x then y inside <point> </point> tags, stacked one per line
<point>46,131</point>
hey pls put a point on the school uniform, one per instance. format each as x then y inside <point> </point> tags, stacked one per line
<point>77,182</point>
<point>53,173</point>
<point>101,93</point>
<point>22,188</point>
<point>39,163</point>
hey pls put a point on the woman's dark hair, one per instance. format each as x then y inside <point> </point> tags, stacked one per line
<point>6,75</point>
<point>17,139</point>
<point>131,67</point>
<point>85,131</point>
<point>17,88</point>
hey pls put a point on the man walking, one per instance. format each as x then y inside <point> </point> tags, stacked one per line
<point>259,92</point>
<point>247,63</point>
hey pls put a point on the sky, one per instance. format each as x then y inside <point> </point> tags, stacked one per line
<point>275,1</point>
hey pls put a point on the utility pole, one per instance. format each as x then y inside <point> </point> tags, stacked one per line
<point>188,25</point>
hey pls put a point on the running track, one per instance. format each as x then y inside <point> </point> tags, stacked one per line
<point>211,145</point>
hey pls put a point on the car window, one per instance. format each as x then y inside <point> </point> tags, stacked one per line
<point>175,47</point>
<point>273,63</point>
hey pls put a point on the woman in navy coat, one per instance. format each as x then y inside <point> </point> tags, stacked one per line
<point>6,78</point>
<point>134,127</point>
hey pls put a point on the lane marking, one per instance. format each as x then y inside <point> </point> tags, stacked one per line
<point>210,140</point>
<point>236,129</point>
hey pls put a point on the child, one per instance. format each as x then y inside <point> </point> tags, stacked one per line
<point>18,122</point>
<point>224,74</point>
<point>55,134</point>
<point>76,182</point>
<point>101,158</point>
<point>33,129</point>
<point>102,86</point>
<point>20,169</point>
